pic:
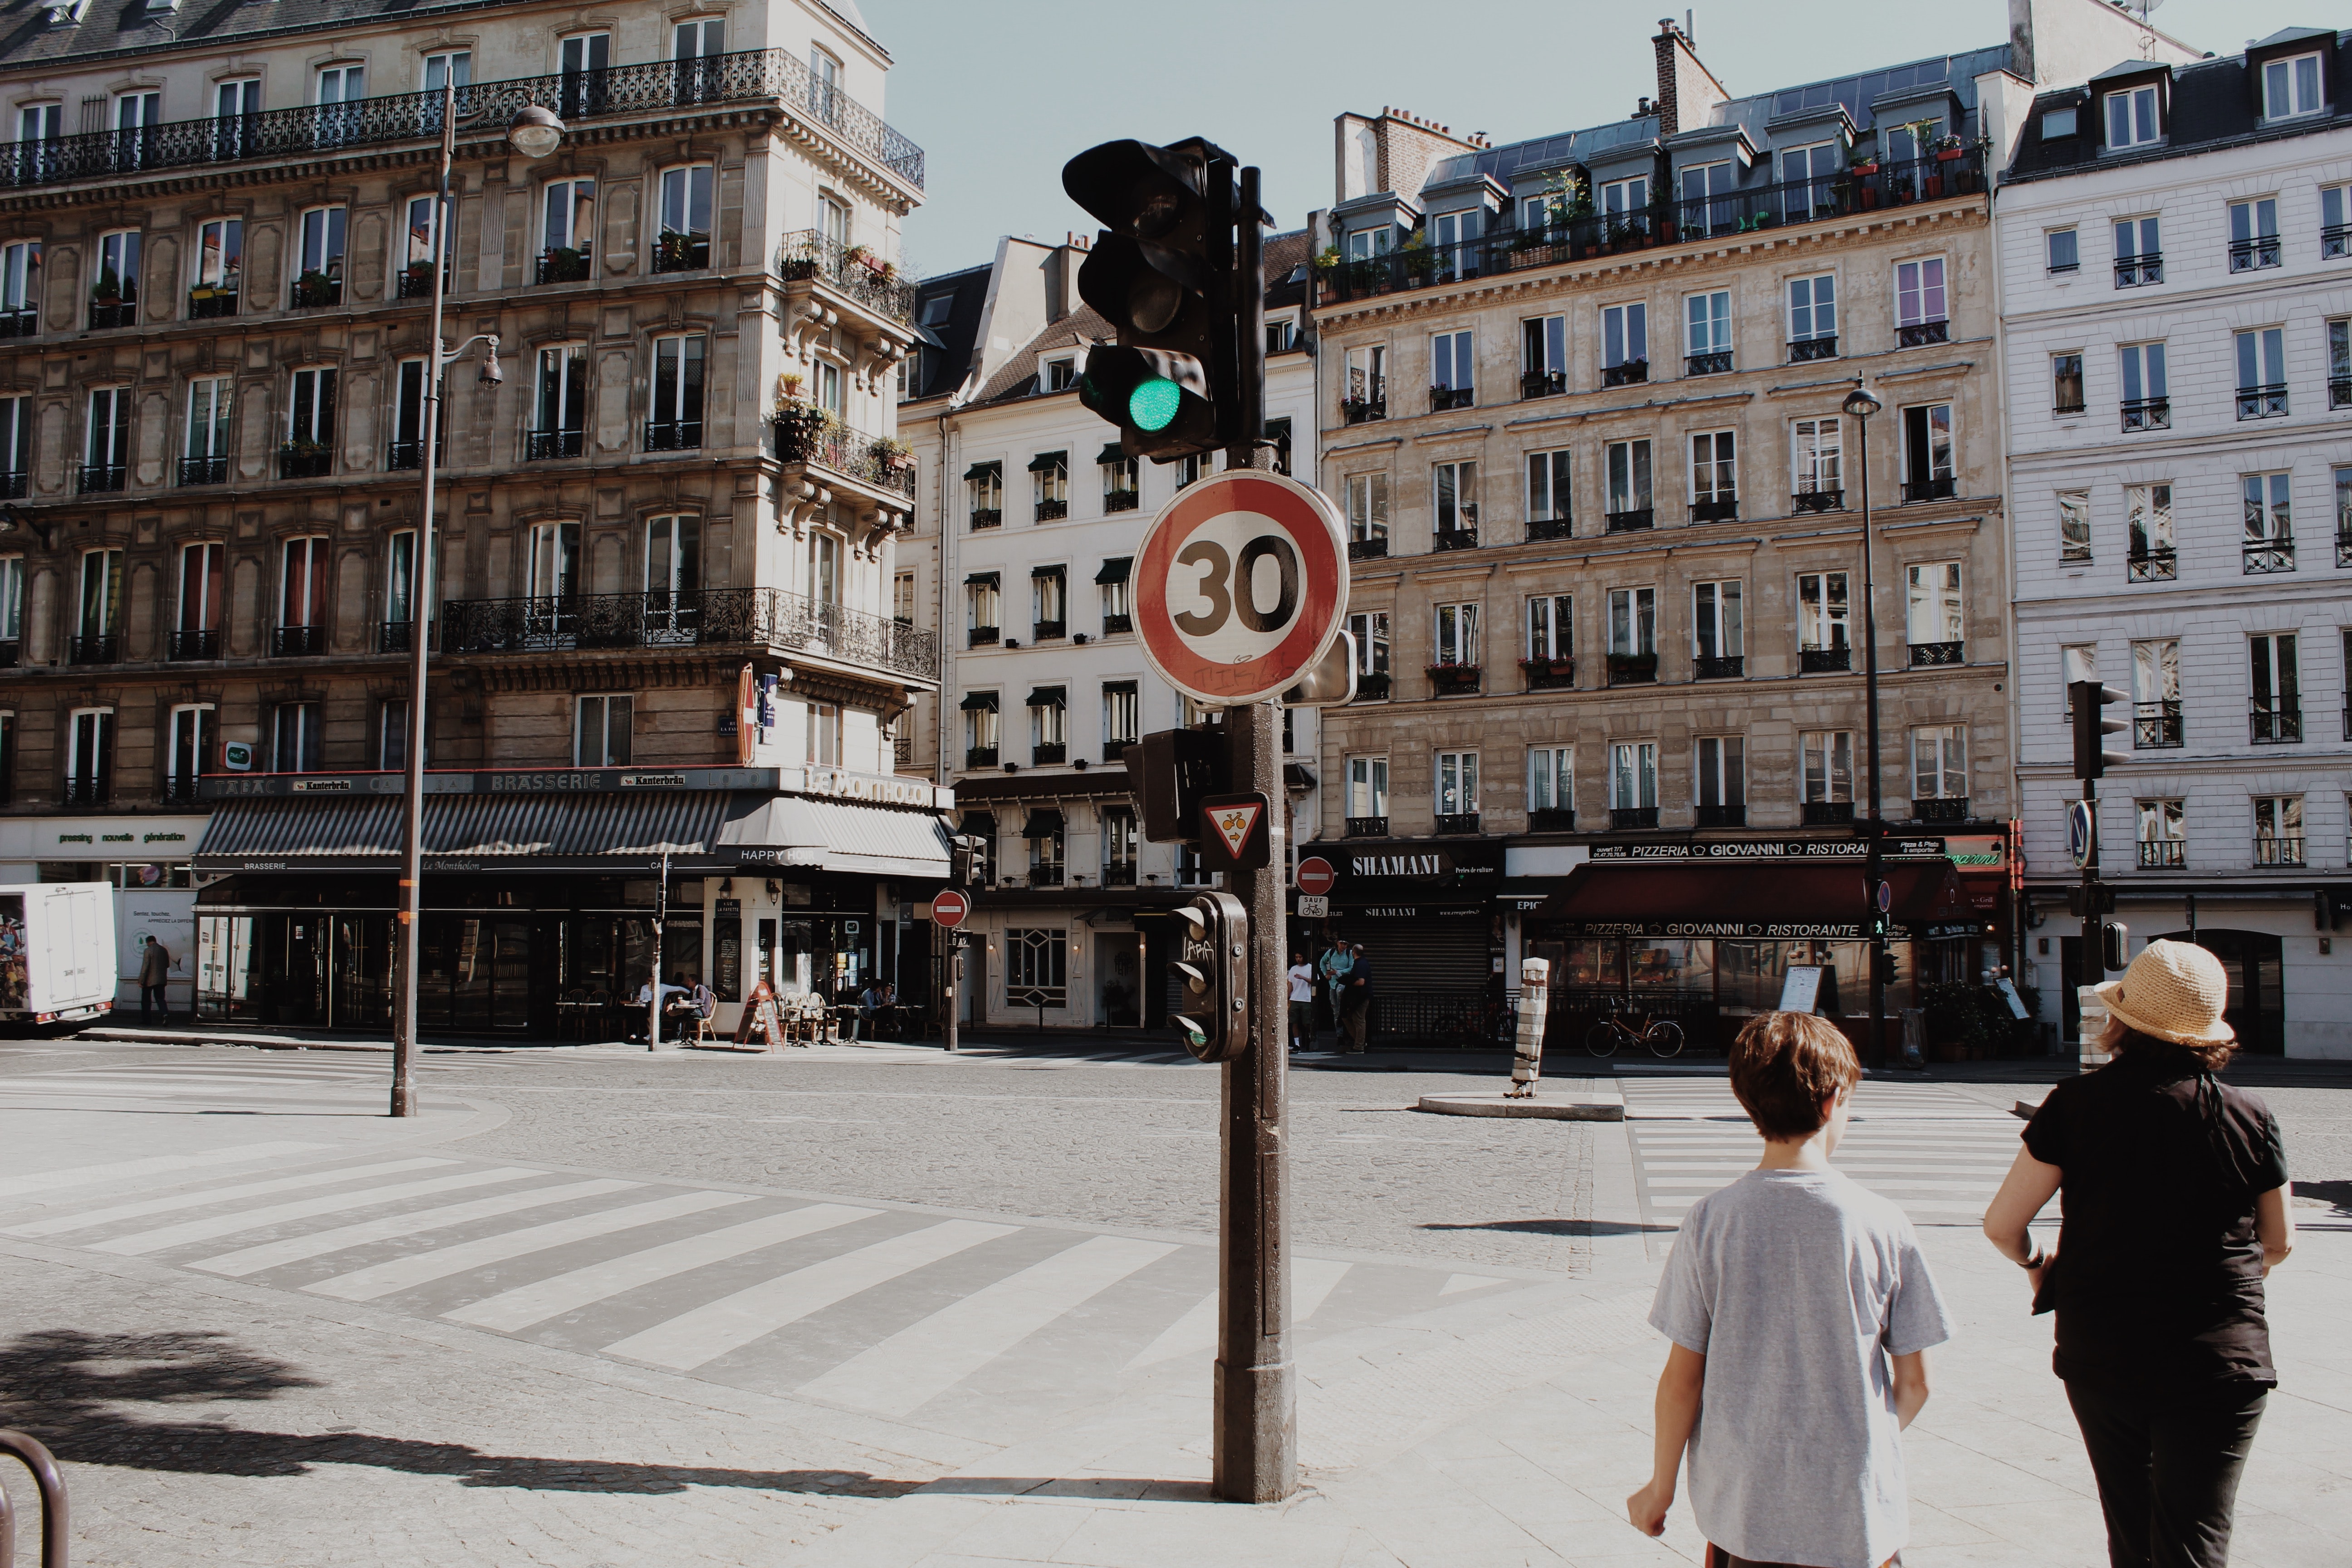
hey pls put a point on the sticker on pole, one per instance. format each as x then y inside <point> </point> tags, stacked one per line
<point>1241,585</point>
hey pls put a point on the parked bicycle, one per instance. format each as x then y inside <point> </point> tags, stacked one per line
<point>1664,1037</point>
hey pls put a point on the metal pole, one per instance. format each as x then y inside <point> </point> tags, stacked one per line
<point>2095,958</point>
<point>1877,826</point>
<point>653,973</point>
<point>1255,1441</point>
<point>409,922</point>
<point>955,974</point>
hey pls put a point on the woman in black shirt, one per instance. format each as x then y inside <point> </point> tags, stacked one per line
<point>2174,1208</point>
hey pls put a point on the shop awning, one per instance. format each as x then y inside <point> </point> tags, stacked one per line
<point>1115,569</point>
<point>978,702</point>
<point>1045,462</point>
<point>838,836</point>
<point>1756,901</point>
<point>1049,697</point>
<point>1048,570</point>
<point>536,832</point>
<point>1044,823</point>
<point>1112,452</point>
<point>983,471</point>
<point>983,580</point>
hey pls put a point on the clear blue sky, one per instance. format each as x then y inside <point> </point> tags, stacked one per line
<point>1000,92</point>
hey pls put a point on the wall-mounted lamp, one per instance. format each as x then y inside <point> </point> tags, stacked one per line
<point>15,521</point>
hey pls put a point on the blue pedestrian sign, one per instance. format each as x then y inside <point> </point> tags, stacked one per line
<point>2082,832</point>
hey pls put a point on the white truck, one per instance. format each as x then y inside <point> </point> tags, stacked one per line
<point>57,951</point>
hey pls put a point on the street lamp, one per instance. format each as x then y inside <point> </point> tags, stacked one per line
<point>1862,404</point>
<point>534,133</point>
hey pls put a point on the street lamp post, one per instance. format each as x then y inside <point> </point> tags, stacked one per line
<point>534,133</point>
<point>1860,404</point>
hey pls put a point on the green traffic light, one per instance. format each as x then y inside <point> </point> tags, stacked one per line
<point>1152,405</point>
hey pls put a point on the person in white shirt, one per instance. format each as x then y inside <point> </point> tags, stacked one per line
<point>1302,1002</point>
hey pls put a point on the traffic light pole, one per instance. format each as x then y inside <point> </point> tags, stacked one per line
<point>2095,944</point>
<point>1255,1439</point>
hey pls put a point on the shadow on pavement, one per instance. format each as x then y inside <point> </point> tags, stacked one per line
<point>1556,1227</point>
<point>71,1389</point>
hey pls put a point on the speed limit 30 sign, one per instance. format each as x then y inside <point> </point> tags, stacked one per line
<point>1241,585</point>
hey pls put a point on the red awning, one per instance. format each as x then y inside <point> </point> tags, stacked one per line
<point>1755,901</point>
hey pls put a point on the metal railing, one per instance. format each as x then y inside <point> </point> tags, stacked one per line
<point>2163,854</point>
<point>19,321</point>
<point>209,304</point>
<point>979,756</point>
<point>2278,852</point>
<point>1541,528</point>
<point>50,1486</point>
<point>1457,822</point>
<point>1356,410</point>
<point>105,314</point>
<point>1633,668</point>
<point>1923,335</point>
<point>1942,489</point>
<point>204,470</point>
<point>2267,402</point>
<point>1801,350</point>
<point>297,642</point>
<point>981,637</point>
<point>2158,566</point>
<point>12,652</point>
<point>1817,499</point>
<point>1716,364</point>
<point>1041,630</point>
<point>204,644</point>
<point>703,618</point>
<point>2131,271</point>
<point>2335,243</point>
<point>104,647</point>
<point>1052,510</point>
<point>649,86</point>
<point>1455,539</point>
<point>394,637</point>
<point>1046,753</point>
<point>1632,519</point>
<point>2277,724</point>
<point>673,435</point>
<point>1372,687</point>
<point>1720,666</point>
<point>1368,827</point>
<point>2147,414</point>
<point>12,487</point>
<point>563,264</point>
<point>2266,556</point>
<point>2253,255</point>
<point>2339,392</point>
<point>311,462</point>
<point>87,789</point>
<point>95,478</point>
<point>1443,398</point>
<point>1552,820</point>
<point>875,460</point>
<point>1549,674</point>
<point>1723,816</point>
<point>681,252</point>
<point>850,269</point>
<point>1631,819</point>
<point>1372,549</point>
<point>2159,725</point>
<point>1823,660</point>
<point>1722,508</point>
<point>539,446</point>
<point>987,517</point>
<point>1828,813</point>
<point>1924,654</point>
<point>1945,810</point>
<point>1631,372</point>
<point>1542,382</point>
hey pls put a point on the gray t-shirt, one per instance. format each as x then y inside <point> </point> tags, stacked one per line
<point>1797,1285</point>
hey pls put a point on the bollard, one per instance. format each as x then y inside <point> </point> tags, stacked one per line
<point>51,1486</point>
<point>1527,1053</point>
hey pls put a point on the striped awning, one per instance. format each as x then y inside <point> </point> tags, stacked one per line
<point>465,832</point>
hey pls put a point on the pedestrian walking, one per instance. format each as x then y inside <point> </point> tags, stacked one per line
<point>1334,965</point>
<point>1356,999</point>
<point>2173,1191</point>
<point>1302,1002</point>
<point>154,969</point>
<point>1802,1312</point>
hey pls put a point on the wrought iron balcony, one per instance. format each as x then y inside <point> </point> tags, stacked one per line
<point>96,478</point>
<point>1457,822</point>
<point>1121,500</point>
<point>1828,813</point>
<point>1372,687</point>
<point>2263,402</point>
<point>539,446</point>
<point>1552,820</point>
<point>1942,489</point>
<point>105,314</point>
<point>1452,679</point>
<point>1549,674</point>
<point>1367,549</point>
<point>2339,392</point>
<point>1801,350</point>
<point>304,460</point>
<point>1723,508</point>
<point>2147,414</point>
<point>1368,827</point>
<point>1942,810</point>
<point>204,470</point>
<point>673,435</point>
<point>1541,528</point>
<point>13,486</point>
<point>1046,753</point>
<point>179,790</point>
<point>1806,501</point>
<point>89,789</point>
<point>1041,631</point>
<point>205,304</point>
<point>1442,398</point>
<point>1926,654</point>
<point>1115,625</point>
<point>11,654</point>
<point>1630,521</point>
<point>1457,539</point>
<point>1720,666</point>
<point>1542,382</point>
<point>1115,749</point>
<point>2278,852</point>
<point>1633,668</point>
<point>2163,854</point>
<point>979,756</point>
<point>2335,243</point>
<point>297,642</point>
<point>2255,254</point>
<point>204,644</point>
<point>709,618</point>
<point>1922,334</point>
<point>2343,545</point>
<point>987,517</point>
<point>104,647</point>
<point>1823,660</point>
<point>393,636</point>
<point>1723,816</point>
<point>1119,874</point>
<point>2133,271</point>
<point>563,264</point>
<point>676,252</point>
<point>404,454</point>
<point>1628,818</point>
<point>317,291</point>
<point>20,321</point>
<point>1716,364</point>
<point>981,637</point>
<point>413,281</point>
<point>2156,726</point>
<point>851,270</point>
<point>1053,510</point>
<point>2266,556</point>
<point>2277,724</point>
<point>1631,373</point>
<point>2074,404</point>
<point>1358,410</point>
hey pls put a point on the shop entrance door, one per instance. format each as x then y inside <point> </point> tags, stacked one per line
<point>362,995</point>
<point>476,978</point>
<point>292,975</point>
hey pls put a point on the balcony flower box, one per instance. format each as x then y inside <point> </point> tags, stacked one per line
<point>1549,673</point>
<point>799,428</point>
<point>313,289</point>
<point>1453,678</point>
<point>1373,687</point>
<point>563,264</point>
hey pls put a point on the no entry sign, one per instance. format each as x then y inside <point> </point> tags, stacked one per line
<point>948,909</point>
<point>1315,877</point>
<point>1240,586</point>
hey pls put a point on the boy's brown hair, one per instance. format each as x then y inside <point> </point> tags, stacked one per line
<point>1783,1065</point>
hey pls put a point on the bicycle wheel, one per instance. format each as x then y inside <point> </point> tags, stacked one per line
<point>1602,1039</point>
<point>1665,1039</point>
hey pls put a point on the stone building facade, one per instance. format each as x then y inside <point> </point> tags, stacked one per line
<point>215,343</point>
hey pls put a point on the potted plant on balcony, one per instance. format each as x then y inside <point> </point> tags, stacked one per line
<point>1948,150</point>
<point>314,288</point>
<point>566,265</point>
<point>673,252</point>
<point>1454,677</point>
<point>799,423</point>
<point>298,456</point>
<point>1557,668</point>
<point>1625,668</point>
<point>801,262</point>
<point>893,457</point>
<point>1420,260</point>
<point>107,290</point>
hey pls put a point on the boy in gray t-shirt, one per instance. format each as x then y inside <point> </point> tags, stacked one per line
<point>1801,1310</point>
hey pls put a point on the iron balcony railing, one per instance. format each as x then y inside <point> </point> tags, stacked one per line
<point>1667,221</point>
<point>1723,816</point>
<point>1942,810</point>
<point>1817,499</point>
<point>1828,813</point>
<point>1457,822</point>
<point>981,637</point>
<point>1724,508</point>
<point>1368,827</point>
<point>1942,489</point>
<point>1823,660</point>
<point>1803,349</point>
<point>1542,382</point>
<point>2277,724</point>
<point>1632,519</point>
<point>2147,414</point>
<point>708,617</point>
<point>1372,685</point>
<point>2263,402</point>
<point>650,86</point>
<point>2157,726</point>
<point>1633,668</point>
<point>2339,392</point>
<point>2343,544</point>
<point>394,637</point>
<point>100,647</point>
<point>179,790</point>
<point>2335,243</point>
<point>19,321</point>
<point>204,470</point>
<point>2131,271</point>
<point>11,654</point>
<point>1372,549</point>
<point>109,313</point>
<point>1926,653</point>
<point>13,486</point>
<point>1628,818</point>
<point>2163,854</point>
<point>297,642</point>
<point>1356,410</point>
<point>1549,674</point>
<point>874,460</point>
<point>1922,334</point>
<point>204,644</point>
<point>987,517</point>
<point>2157,565</point>
<point>852,270</point>
<point>1455,539</point>
<point>304,460</point>
<point>563,264</point>
<point>979,756</point>
<point>2278,852</point>
<point>539,445</point>
<point>98,477</point>
<point>1552,820</point>
<point>1716,364</point>
<point>1720,666</point>
<point>1443,398</point>
<point>673,435</point>
<point>97,789</point>
<point>1540,527</point>
<point>2251,255</point>
<point>208,304</point>
<point>2265,555</point>
<point>1628,373</point>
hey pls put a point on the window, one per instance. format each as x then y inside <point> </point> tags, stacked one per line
<point>1906,145</point>
<point>1454,495</point>
<point>1452,371</point>
<point>1633,777</point>
<point>1116,594</point>
<point>2291,86</point>
<point>2262,374</point>
<point>1699,182</point>
<point>1122,710</point>
<point>825,568</point>
<point>1927,472</point>
<point>16,445</point>
<point>1940,762</point>
<point>1367,512</point>
<point>824,734</point>
<point>567,231</point>
<point>1049,598</point>
<point>1920,301</point>
<point>2344,521</point>
<point>1812,317</point>
<point>1722,780</point>
<point>1624,344</point>
<point>391,735</point>
<point>563,413</point>
<point>1188,469</point>
<point>1457,783</point>
<point>2066,383</point>
<point>2277,682</point>
<point>2076,662</point>
<point>2278,830</point>
<point>1625,206</point>
<point>1060,375</point>
<point>2065,253</point>
<point>1370,630</point>
<point>584,58</point>
<point>1548,492</point>
<point>1366,243</point>
<point>2131,118</point>
<point>2139,252</point>
<point>1827,765</point>
<point>2155,693</point>
<point>1809,176</point>
<point>685,239</point>
<point>1365,392</point>
<point>1120,488</point>
<point>1368,787</point>
<point>2253,233</point>
<point>1630,500</point>
<point>400,580</point>
<point>196,632</point>
<point>36,124</point>
<point>2057,123</point>
<point>1551,779</point>
<point>302,594</point>
<point>676,419</point>
<point>1715,482</point>
<point>191,725</point>
<point>2073,528</point>
<point>554,559</point>
<point>1551,628</point>
<point>414,260</point>
<point>1633,622</point>
<point>1543,357</point>
<point>2269,523</point>
<point>1932,613</point>
<point>1121,844</point>
<point>340,92</point>
<point>20,288</point>
<point>12,598</point>
<point>2148,508</point>
<point>114,293</point>
<point>602,736</point>
<point>1718,639</point>
<point>1049,723</point>
<point>981,729</point>
<point>101,604</point>
<point>234,103</point>
<point>1707,333</point>
<point>318,258</point>
<point>1049,485</point>
<point>2335,222</point>
<point>2339,363</point>
<point>107,456</point>
<point>902,598</point>
<point>2147,405</point>
<point>982,606</point>
<point>1036,963</point>
<point>1824,611</point>
<point>205,454</point>
<point>1457,635</point>
<point>310,411</point>
<point>89,756</point>
<point>1817,466</point>
<point>297,739</point>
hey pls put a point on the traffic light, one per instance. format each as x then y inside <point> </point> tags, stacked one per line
<point>2093,898</point>
<point>1881,962</point>
<point>966,858</point>
<point>2114,940</point>
<point>1214,1019</point>
<point>2092,727</point>
<point>1164,272</point>
<point>1171,773</point>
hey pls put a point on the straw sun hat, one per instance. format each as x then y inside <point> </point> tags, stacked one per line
<point>2173,991</point>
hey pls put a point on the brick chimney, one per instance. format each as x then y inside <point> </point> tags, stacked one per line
<point>1687,90</point>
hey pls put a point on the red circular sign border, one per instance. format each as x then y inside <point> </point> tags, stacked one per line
<point>1214,497</point>
<point>961,903</point>
<point>1330,872</point>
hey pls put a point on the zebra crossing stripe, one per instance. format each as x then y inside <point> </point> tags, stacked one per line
<point>1312,1281</point>
<point>923,1360</point>
<point>407,1273</point>
<point>195,1230</point>
<point>308,1181</point>
<point>711,1330</point>
<point>543,1298</point>
<point>317,1243</point>
<point>87,1175</point>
